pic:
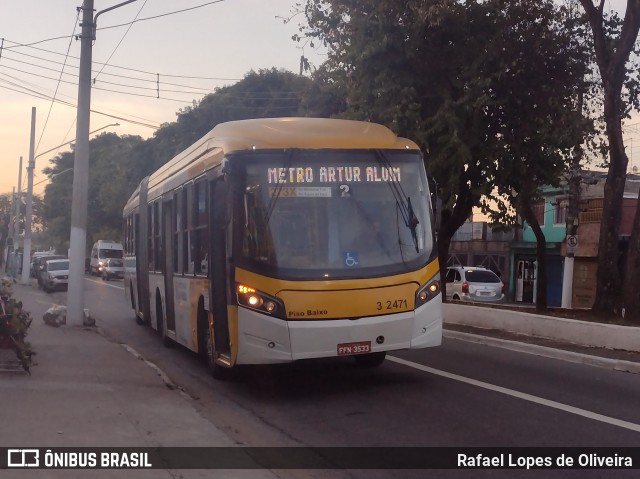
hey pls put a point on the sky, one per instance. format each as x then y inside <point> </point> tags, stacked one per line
<point>193,52</point>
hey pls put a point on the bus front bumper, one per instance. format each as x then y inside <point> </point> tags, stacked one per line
<point>263,339</point>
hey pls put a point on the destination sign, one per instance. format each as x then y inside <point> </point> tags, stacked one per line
<point>332,174</point>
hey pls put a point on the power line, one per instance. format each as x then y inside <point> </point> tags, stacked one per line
<point>57,84</point>
<point>192,92</point>
<point>153,74</point>
<point>44,96</point>
<point>247,95</point>
<point>162,15</point>
<point>26,91</point>
<point>18,45</point>
<point>121,40</point>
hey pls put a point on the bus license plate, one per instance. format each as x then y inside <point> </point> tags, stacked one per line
<point>360,347</point>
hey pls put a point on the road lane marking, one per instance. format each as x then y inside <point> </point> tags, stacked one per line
<point>106,283</point>
<point>520,395</point>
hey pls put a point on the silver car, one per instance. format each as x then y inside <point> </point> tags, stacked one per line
<point>55,275</point>
<point>112,268</point>
<point>466,283</point>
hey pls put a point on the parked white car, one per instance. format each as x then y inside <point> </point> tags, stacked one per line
<point>466,283</point>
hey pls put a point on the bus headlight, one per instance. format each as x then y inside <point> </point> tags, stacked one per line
<point>263,302</point>
<point>428,291</point>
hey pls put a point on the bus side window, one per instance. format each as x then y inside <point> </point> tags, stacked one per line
<point>201,238</point>
<point>187,236</point>
<point>178,220</point>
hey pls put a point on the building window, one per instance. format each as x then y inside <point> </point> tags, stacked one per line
<point>560,211</point>
<point>591,210</point>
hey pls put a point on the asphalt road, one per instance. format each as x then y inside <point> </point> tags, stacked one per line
<point>461,394</point>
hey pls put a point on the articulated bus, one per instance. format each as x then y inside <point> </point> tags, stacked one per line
<point>275,240</point>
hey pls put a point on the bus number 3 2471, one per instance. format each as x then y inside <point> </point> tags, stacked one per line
<point>397,304</point>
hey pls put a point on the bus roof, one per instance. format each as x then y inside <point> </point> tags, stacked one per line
<point>270,133</point>
<point>305,133</point>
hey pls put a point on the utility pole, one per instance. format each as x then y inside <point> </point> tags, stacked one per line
<point>26,251</point>
<point>78,236</point>
<point>12,211</point>
<point>8,254</point>
<point>575,178</point>
<point>16,224</point>
<point>572,229</point>
<point>15,210</point>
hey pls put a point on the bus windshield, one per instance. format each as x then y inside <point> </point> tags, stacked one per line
<point>310,214</point>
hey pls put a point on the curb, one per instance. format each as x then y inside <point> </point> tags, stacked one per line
<point>165,378</point>
<point>570,356</point>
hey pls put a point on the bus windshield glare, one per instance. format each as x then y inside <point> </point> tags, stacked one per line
<point>310,214</point>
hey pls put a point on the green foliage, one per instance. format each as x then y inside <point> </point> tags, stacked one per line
<point>6,214</point>
<point>488,89</point>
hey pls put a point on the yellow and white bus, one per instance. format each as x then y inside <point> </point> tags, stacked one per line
<point>274,240</point>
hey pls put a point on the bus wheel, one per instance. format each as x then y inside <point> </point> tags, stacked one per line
<point>139,320</point>
<point>371,360</point>
<point>162,324</point>
<point>208,347</point>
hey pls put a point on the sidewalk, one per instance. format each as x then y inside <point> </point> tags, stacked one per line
<point>85,391</point>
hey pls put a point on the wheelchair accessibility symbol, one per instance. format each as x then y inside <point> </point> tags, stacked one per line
<point>350,259</point>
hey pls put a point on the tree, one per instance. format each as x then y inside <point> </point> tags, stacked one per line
<point>613,47</point>
<point>110,185</point>
<point>485,87</point>
<point>7,215</point>
<point>5,220</point>
<point>536,132</point>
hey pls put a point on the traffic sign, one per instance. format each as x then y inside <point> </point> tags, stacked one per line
<point>572,243</point>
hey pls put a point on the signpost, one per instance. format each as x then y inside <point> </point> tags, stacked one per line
<point>572,243</point>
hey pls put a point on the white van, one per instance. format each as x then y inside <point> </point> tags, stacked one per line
<point>102,251</point>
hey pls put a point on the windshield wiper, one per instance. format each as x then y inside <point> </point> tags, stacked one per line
<point>278,189</point>
<point>402,200</point>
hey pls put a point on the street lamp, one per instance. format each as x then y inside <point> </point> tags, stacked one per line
<point>26,253</point>
<point>53,176</point>
<point>71,141</point>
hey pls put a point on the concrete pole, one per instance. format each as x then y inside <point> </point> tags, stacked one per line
<point>16,224</point>
<point>9,244</point>
<point>26,251</point>
<point>78,235</point>
<point>16,216</point>
<point>567,282</point>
